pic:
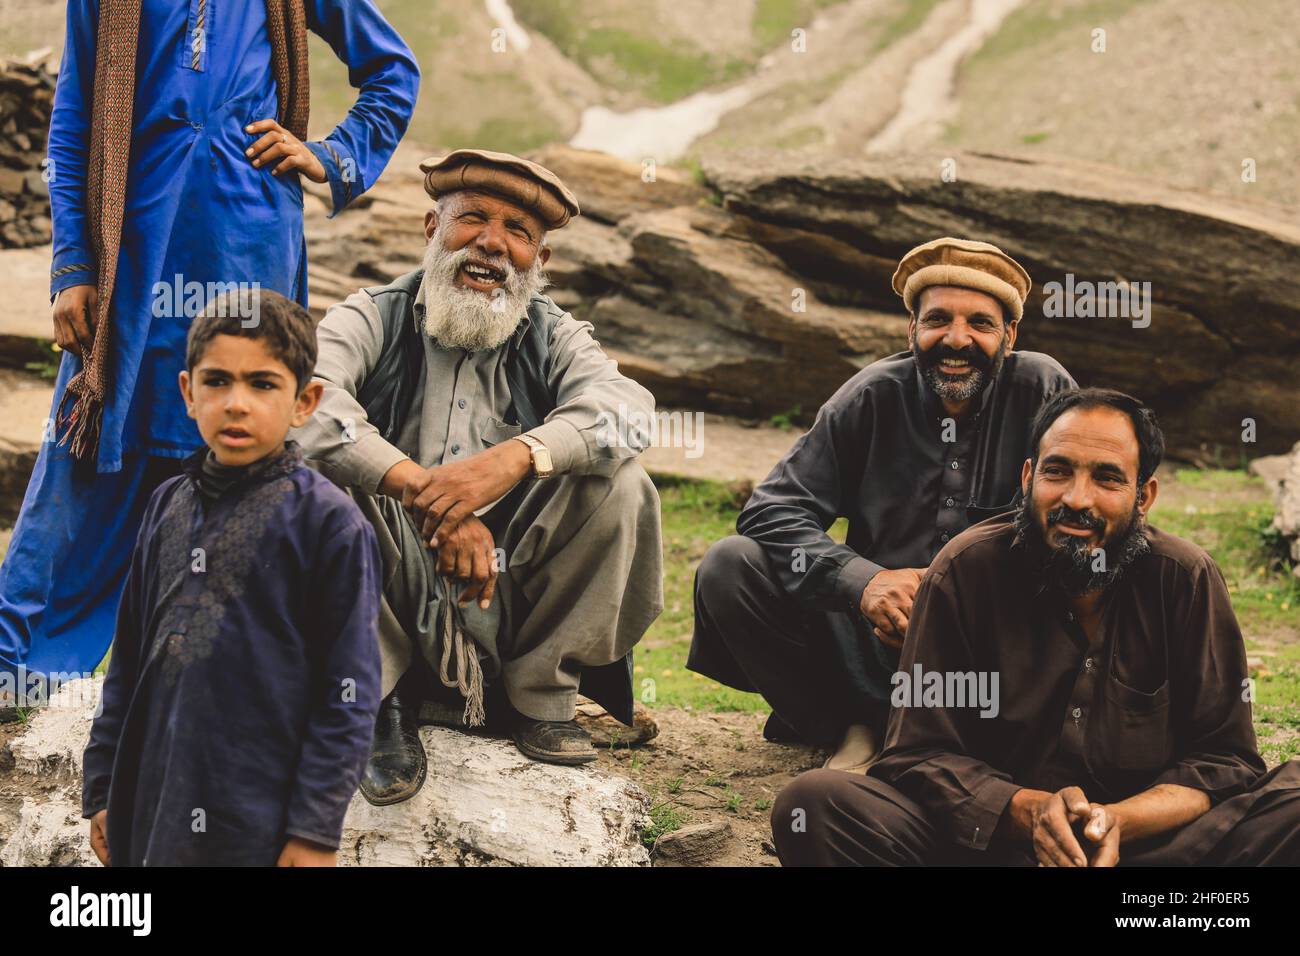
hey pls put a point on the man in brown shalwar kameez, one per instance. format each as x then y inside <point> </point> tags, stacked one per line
<point>1119,727</point>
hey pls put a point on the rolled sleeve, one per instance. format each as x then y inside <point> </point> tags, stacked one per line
<point>564,442</point>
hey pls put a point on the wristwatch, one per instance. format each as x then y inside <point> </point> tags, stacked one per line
<point>540,455</point>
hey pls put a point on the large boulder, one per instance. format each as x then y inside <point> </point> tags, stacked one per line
<point>1225,318</point>
<point>483,803</point>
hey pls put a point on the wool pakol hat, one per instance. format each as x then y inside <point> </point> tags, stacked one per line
<point>981,266</point>
<point>511,177</point>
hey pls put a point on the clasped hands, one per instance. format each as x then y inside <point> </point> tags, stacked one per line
<point>441,502</point>
<point>1050,821</point>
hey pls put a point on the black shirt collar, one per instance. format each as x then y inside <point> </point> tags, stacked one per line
<point>213,479</point>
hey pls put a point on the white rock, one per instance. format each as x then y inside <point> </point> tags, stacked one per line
<point>483,803</point>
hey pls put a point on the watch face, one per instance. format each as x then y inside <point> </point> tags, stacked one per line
<point>542,461</point>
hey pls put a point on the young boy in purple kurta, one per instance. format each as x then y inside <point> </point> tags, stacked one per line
<point>241,695</point>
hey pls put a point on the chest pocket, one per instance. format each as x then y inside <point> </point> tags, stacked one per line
<point>495,431</point>
<point>1134,727</point>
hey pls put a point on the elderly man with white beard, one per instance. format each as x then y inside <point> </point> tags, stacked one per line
<point>469,417</point>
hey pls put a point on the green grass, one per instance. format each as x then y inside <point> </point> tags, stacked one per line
<point>695,514</point>
<point>1233,525</point>
<point>664,818</point>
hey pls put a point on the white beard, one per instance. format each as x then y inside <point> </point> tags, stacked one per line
<point>464,318</point>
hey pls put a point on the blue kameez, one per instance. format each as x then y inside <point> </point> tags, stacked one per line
<point>197,211</point>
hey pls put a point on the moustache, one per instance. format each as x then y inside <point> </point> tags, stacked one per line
<point>970,354</point>
<point>1084,519</point>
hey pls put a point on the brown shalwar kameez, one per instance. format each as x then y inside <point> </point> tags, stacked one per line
<point>1161,696</point>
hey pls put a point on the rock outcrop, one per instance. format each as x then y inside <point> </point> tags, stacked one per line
<point>483,803</point>
<point>1282,473</point>
<point>759,285</point>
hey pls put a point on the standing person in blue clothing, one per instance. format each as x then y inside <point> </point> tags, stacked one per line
<point>240,701</point>
<point>176,145</point>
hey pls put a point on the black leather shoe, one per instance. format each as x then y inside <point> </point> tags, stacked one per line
<point>554,741</point>
<point>397,765</point>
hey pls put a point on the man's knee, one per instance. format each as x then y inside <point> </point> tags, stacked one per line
<point>833,818</point>
<point>631,489</point>
<point>803,814</point>
<point>727,564</point>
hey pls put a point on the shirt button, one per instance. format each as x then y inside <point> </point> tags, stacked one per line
<point>949,503</point>
<point>455,449</point>
<point>461,403</point>
<point>1088,663</point>
<point>955,466</point>
<point>1076,713</point>
<point>944,537</point>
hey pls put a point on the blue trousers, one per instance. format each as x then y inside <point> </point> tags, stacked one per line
<point>63,573</point>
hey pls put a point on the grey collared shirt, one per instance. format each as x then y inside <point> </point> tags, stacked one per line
<point>462,403</point>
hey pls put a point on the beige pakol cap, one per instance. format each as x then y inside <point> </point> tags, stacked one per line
<point>520,180</point>
<point>981,266</point>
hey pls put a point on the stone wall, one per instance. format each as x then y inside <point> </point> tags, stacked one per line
<point>26,100</point>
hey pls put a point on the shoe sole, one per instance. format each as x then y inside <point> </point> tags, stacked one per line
<point>401,798</point>
<point>550,756</point>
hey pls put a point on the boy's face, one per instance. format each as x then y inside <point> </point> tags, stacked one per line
<point>245,399</point>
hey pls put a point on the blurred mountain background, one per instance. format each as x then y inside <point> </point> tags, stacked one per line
<point>1185,90</point>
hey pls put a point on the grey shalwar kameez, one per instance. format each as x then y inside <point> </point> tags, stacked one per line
<point>582,578</point>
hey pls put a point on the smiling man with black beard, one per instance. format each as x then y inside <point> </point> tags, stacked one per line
<point>466,414</point>
<point>1123,730</point>
<point>911,450</point>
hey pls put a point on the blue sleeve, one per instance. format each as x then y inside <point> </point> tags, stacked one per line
<point>383,68</point>
<point>69,147</point>
<point>345,669</point>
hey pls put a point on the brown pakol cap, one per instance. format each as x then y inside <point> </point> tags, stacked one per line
<point>981,266</point>
<point>511,177</point>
